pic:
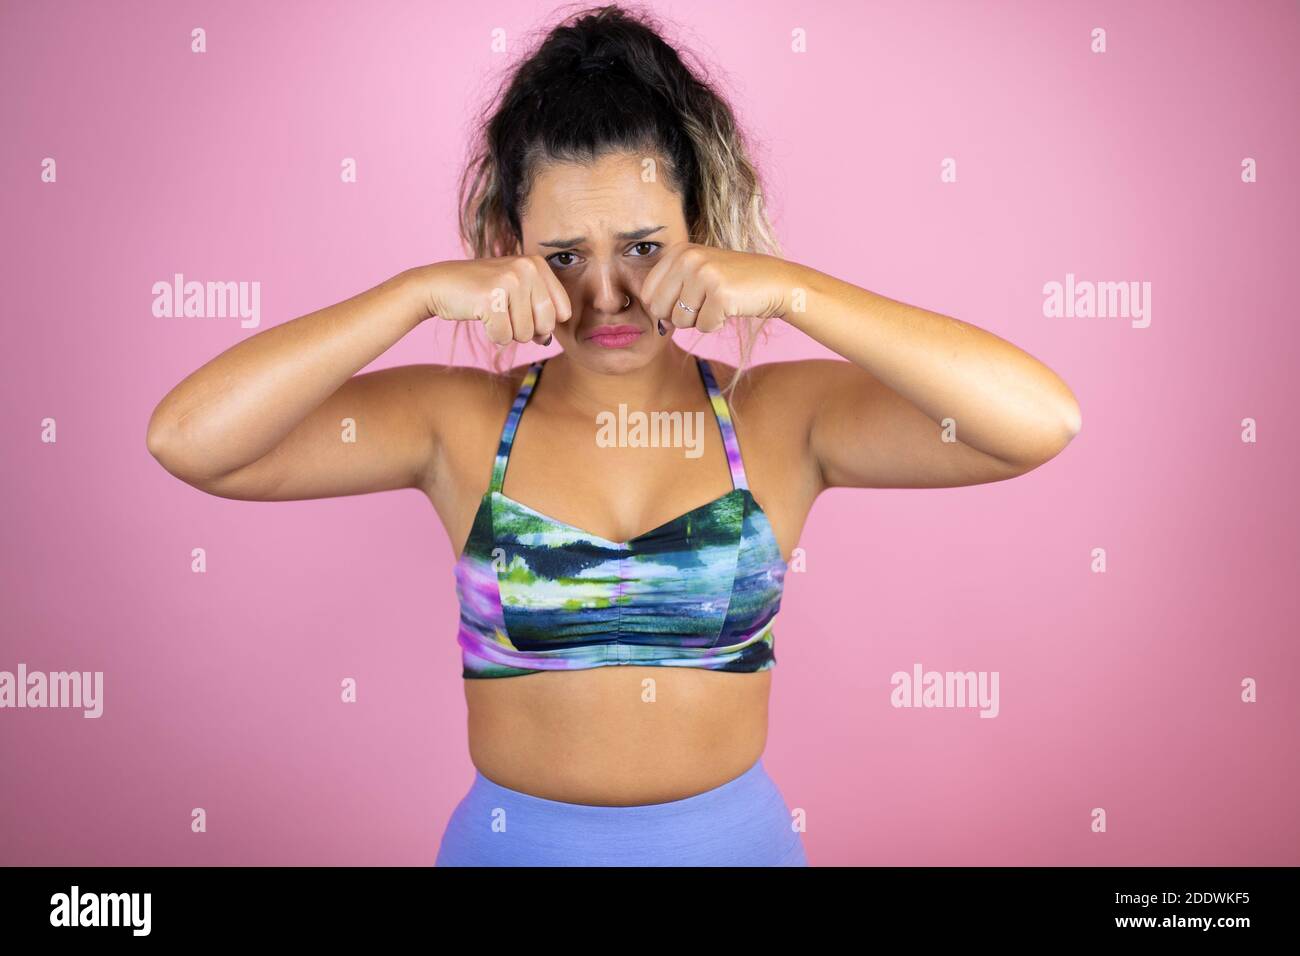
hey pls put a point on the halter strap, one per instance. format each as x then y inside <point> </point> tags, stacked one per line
<point>720,411</point>
<point>512,423</point>
<point>728,430</point>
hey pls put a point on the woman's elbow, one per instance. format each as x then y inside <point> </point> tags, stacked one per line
<point>1073,423</point>
<point>158,437</point>
<point>168,449</point>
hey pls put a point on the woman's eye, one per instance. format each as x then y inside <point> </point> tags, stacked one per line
<point>652,247</point>
<point>552,259</point>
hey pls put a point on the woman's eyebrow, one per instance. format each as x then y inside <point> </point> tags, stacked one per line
<point>633,234</point>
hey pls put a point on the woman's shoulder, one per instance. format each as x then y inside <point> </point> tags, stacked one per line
<point>775,382</point>
<point>460,401</point>
<point>471,385</point>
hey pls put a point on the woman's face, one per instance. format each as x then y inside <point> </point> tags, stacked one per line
<point>602,228</point>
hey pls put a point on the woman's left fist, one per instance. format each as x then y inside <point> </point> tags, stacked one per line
<point>694,286</point>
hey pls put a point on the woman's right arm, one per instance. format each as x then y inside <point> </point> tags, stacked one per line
<point>284,415</point>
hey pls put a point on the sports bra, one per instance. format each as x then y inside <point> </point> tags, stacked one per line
<point>537,594</point>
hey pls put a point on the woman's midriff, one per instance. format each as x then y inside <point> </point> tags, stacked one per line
<point>619,735</point>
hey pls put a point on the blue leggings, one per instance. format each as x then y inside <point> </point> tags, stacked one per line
<point>743,822</point>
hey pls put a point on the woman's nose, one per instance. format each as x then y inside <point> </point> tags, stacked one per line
<point>612,291</point>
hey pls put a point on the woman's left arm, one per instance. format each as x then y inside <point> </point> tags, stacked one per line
<point>924,400</point>
<point>969,384</point>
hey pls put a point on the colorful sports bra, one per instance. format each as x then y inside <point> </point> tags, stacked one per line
<point>537,594</point>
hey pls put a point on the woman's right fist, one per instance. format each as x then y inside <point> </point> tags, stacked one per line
<point>515,297</point>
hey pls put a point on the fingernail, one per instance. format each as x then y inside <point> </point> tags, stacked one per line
<point>662,330</point>
<point>547,340</point>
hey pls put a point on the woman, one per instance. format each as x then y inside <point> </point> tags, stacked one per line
<point>617,591</point>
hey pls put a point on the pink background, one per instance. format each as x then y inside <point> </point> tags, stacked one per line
<point>1119,690</point>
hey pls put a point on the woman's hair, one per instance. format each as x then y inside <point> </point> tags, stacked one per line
<point>605,81</point>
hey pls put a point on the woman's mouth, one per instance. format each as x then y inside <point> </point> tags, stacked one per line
<point>615,336</point>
